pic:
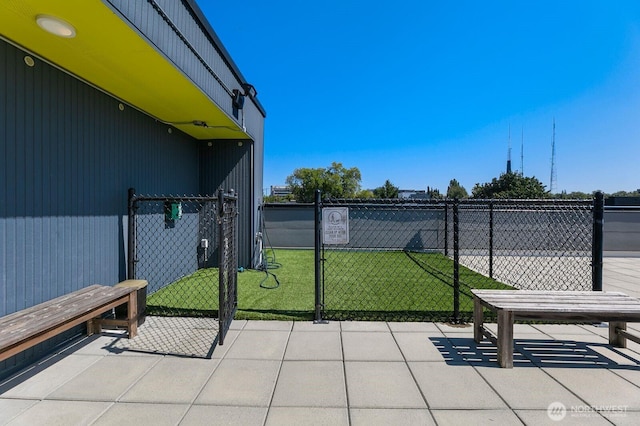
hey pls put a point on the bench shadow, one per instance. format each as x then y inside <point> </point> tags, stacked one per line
<point>547,353</point>
<point>191,337</point>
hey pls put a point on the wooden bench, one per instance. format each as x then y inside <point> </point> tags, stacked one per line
<point>26,328</point>
<point>579,306</point>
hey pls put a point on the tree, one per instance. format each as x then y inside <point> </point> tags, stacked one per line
<point>434,193</point>
<point>388,190</point>
<point>455,190</point>
<point>510,185</point>
<point>335,181</point>
<point>576,195</point>
<point>365,194</point>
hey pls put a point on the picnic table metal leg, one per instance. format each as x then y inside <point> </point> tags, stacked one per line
<point>505,338</point>
<point>478,320</point>
<point>615,338</point>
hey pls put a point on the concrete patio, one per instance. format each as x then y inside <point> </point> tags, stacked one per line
<point>342,373</point>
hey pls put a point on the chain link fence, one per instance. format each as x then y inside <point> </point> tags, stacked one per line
<point>186,248</point>
<point>417,260</point>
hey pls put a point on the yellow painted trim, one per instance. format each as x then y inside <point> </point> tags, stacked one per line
<point>112,56</point>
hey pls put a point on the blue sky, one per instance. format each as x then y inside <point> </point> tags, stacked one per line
<point>420,92</point>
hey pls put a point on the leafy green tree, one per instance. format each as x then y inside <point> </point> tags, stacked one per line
<point>336,181</point>
<point>365,194</point>
<point>635,193</point>
<point>434,193</point>
<point>510,185</point>
<point>388,190</point>
<point>277,198</point>
<point>455,190</point>
<point>576,195</point>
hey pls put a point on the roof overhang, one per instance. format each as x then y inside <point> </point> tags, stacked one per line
<point>109,54</point>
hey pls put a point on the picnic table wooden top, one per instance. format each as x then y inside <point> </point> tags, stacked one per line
<point>532,301</point>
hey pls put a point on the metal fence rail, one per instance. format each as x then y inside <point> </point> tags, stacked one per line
<point>418,259</point>
<point>186,248</point>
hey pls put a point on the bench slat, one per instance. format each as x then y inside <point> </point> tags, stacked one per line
<point>48,315</point>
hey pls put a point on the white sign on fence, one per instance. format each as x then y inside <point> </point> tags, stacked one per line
<point>335,225</point>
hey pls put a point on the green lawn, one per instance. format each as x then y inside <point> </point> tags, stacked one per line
<point>359,285</point>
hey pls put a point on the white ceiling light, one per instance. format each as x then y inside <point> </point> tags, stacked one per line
<point>56,26</point>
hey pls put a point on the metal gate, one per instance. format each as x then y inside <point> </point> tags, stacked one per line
<point>186,248</point>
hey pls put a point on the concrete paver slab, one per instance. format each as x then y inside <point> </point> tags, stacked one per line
<point>241,382</point>
<point>527,388</point>
<point>423,327</point>
<point>418,346</point>
<point>542,417</point>
<point>269,325</point>
<point>393,416</point>
<point>311,326</point>
<point>62,413</point>
<point>113,374</point>
<point>476,417</point>
<point>463,330</point>
<point>140,414</point>
<point>207,415</point>
<point>454,387</point>
<point>220,351</point>
<point>256,344</point>
<point>368,346</point>
<point>622,418</point>
<point>381,385</point>
<point>598,387</point>
<point>364,326</point>
<point>43,379</point>
<point>314,345</point>
<point>11,408</point>
<point>295,416</point>
<point>310,384</point>
<point>172,380</point>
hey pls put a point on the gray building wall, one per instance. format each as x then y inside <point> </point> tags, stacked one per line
<point>177,30</point>
<point>227,165</point>
<point>68,155</point>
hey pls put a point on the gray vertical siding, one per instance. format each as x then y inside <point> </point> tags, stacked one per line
<point>175,36</point>
<point>67,157</point>
<point>227,165</point>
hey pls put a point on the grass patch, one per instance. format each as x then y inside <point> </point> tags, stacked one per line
<point>360,285</point>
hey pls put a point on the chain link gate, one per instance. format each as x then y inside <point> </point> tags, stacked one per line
<point>416,260</point>
<point>186,248</point>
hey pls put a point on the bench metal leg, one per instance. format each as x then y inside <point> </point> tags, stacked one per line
<point>478,320</point>
<point>615,338</point>
<point>505,338</point>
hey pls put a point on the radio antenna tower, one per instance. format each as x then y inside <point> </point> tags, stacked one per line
<point>509,152</point>
<point>522,151</point>
<point>552,183</point>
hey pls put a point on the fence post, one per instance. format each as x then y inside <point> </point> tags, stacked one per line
<point>222,311</point>
<point>317,260</point>
<point>597,245</point>
<point>456,263</point>
<point>490,239</point>
<point>446,228</point>
<point>131,243</point>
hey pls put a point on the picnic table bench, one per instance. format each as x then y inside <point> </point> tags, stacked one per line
<point>589,306</point>
<point>28,327</point>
